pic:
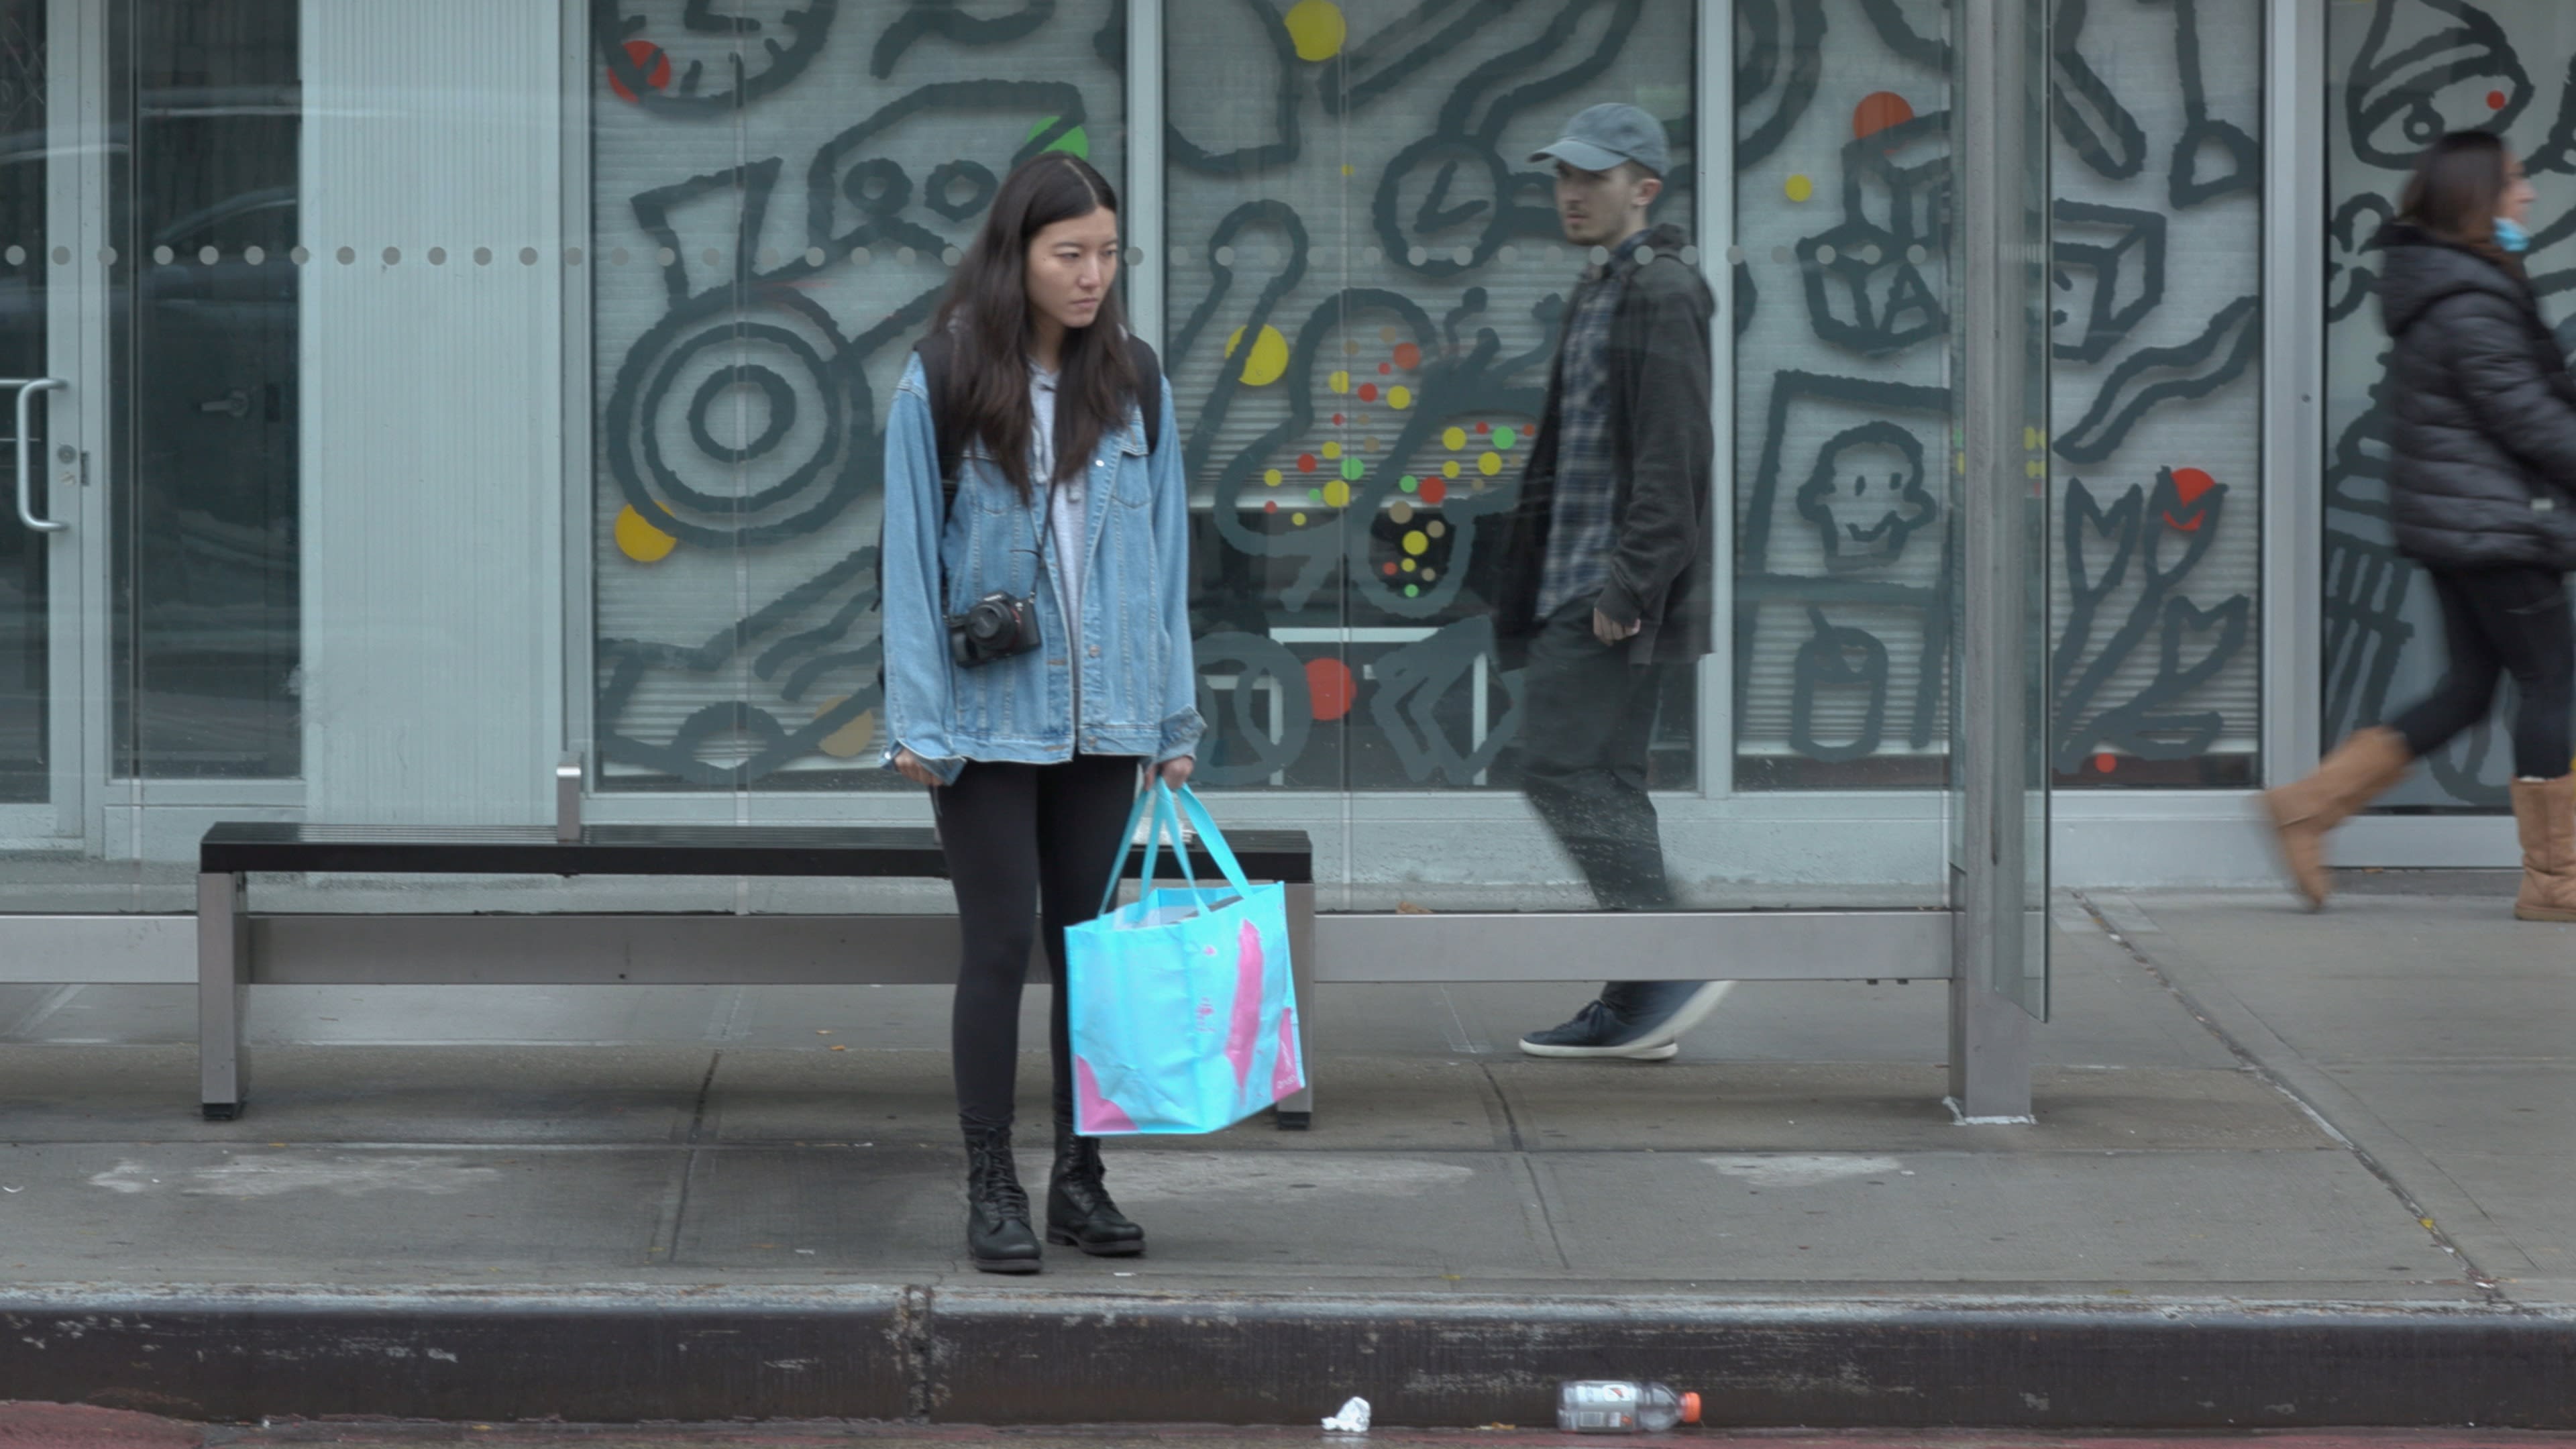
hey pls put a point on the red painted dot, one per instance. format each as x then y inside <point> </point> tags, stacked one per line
<point>1879,110</point>
<point>649,59</point>
<point>1368,392</point>
<point>1329,688</point>
<point>1305,462</point>
<point>1337,420</point>
<point>2495,100</point>
<point>1433,490</point>
<point>1387,569</point>
<point>2191,483</point>
<point>1484,427</point>
<point>1384,368</point>
<point>1270,505</point>
<point>1407,356</point>
<point>2106,762</point>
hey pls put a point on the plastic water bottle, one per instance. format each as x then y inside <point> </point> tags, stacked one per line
<point>1615,1406</point>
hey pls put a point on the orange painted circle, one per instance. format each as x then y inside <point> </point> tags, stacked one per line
<point>1329,688</point>
<point>648,58</point>
<point>1879,110</point>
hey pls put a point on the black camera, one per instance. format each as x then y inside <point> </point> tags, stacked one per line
<point>995,626</point>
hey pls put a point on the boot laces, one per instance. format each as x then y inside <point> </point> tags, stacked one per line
<point>997,1181</point>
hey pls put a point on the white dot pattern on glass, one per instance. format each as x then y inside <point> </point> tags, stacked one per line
<point>813,256</point>
<point>860,256</point>
<point>1869,253</point>
<point>163,256</point>
<point>256,256</point>
<point>1463,255</point>
<point>300,254</point>
<point>393,256</point>
<point>950,256</point>
<point>438,256</point>
<point>1371,256</point>
<point>1417,256</point>
<point>1917,255</point>
<point>1224,257</point>
<point>107,255</point>
<point>62,256</point>
<point>1180,256</point>
<point>1597,255</point>
<point>1735,256</point>
<point>1825,256</point>
<point>768,258</point>
<point>1508,255</point>
<point>1690,256</point>
<point>1645,254</point>
<point>618,257</point>
<point>527,256</point>
<point>17,256</point>
<point>710,257</point>
<point>348,256</point>
<point>482,256</point>
<point>1135,256</point>
<point>208,256</point>
<point>903,255</point>
<point>572,256</point>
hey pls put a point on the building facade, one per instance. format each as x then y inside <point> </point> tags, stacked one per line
<point>447,387</point>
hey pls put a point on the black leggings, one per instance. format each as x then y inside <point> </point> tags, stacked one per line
<point>2503,621</point>
<point>1021,839</point>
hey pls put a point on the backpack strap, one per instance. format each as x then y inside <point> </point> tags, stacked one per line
<point>939,350</point>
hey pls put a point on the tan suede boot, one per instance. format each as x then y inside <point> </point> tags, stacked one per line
<point>2545,812</point>
<point>2359,771</point>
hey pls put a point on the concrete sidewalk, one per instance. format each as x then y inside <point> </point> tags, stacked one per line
<point>2287,1169</point>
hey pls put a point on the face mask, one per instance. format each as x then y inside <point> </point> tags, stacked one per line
<point>2511,237</point>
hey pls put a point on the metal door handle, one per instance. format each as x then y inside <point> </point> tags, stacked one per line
<point>236,402</point>
<point>27,388</point>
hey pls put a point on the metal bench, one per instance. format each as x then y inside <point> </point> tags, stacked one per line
<point>236,950</point>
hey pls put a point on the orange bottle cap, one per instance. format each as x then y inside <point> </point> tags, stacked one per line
<point>1690,1408</point>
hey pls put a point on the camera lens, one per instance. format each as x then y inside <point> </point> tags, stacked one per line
<point>987,622</point>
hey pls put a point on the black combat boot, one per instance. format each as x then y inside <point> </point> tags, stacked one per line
<point>1079,1212</point>
<point>998,1239</point>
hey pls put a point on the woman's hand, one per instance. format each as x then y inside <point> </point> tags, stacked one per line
<point>909,765</point>
<point>1176,773</point>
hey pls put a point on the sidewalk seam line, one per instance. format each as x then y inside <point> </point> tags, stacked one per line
<point>2485,1284</point>
<point>689,1161</point>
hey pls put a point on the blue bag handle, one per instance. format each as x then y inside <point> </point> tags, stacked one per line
<point>1159,799</point>
<point>1211,837</point>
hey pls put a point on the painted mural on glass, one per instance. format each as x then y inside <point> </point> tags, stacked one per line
<point>2405,71</point>
<point>780,186</point>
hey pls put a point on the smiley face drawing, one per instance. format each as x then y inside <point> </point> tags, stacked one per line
<point>705,58</point>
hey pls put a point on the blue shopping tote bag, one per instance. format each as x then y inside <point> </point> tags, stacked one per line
<point>1184,1014</point>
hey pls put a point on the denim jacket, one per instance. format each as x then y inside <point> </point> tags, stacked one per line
<point>1139,691</point>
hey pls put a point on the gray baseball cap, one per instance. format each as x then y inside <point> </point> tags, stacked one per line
<point>1602,136</point>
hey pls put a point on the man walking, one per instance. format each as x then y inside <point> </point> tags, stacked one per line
<point>1605,577</point>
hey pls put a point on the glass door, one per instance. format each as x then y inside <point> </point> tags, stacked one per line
<point>53,158</point>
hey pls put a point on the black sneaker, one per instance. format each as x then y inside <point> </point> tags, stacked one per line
<point>1640,1020</point>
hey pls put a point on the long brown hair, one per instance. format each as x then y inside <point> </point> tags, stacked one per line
<point>986,311</point>
<point>2456,191</point>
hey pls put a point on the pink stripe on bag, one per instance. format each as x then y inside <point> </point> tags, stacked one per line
<point>1098,1113</point>
<point>1245,1034</point>
<point>1287,1074</point>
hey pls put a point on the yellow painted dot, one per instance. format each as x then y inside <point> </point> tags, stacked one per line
<point>1268,360</point>
<point>2030,438</point>
<point>1270,478</point>
<point>1490,464</point>
<point>1801,187</point>
<point>1410,565</point>
<point>1297,518</point>
<point>1415,542</point>
<point>1349,170</point>
<point>2035,468</point>
<point>1454,439</point>
<point>1399,397</point>
<point>1317,29</point>
<point>1332,450</point>
<point>1339,382</point>
<point>1337,494</point>
<point>641,541</point>
<point>1449,469</point>
<point>851,740</point>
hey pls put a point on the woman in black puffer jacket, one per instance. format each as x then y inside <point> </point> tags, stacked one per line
<point>2482,426</point>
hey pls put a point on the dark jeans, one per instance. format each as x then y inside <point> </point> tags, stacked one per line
<point>1587,717</point>
<point>2503,621</point>
<point>1021,840</point>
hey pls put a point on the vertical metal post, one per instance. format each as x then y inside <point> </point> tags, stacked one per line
<point>1996,170</point>
<point>223,976</point>
<point>1144,218</point>
<point>2294,376</point>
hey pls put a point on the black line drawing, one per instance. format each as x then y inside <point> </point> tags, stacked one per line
<point>1285,95</point>
<point>2104,135</point>
<point>688,91</point>
<point>2152,376</point>
<point>1258,671</point>
<point>2401,94</point>
<point>2148,724</point>
<point>1837,492</point>
<point>2354,228</point>
<point>946,20</point>
<point>1869,272</point>
<point>1414,683</point>
<point>1837,657</point>
<point>2125,260</point>
<point>1767,56</point>
<point>2187,186</point>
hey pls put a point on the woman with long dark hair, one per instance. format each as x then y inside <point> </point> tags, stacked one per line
<point>2482,489</point>
<point>1037,644</point>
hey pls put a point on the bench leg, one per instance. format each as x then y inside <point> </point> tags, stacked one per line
<point>223,976</point>
<point>1297,1111</point>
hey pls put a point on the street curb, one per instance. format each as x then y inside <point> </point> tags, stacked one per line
<point>989,1356</point>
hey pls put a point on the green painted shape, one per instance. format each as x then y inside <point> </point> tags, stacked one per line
<point>1076,142</point>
